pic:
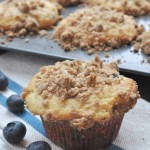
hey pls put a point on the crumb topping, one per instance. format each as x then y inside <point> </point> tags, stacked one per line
<point>96,29</point>
<point>80,92</point>
<point>129,7</point>
<point>66,3</point>
<point>75,79</point>
<point>20,17</point>
<point>143,42</point>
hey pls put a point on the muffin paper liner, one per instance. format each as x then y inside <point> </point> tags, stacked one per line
<point>70,138</point>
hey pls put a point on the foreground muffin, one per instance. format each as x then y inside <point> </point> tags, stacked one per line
<point>81,104</point>
<point>129,7</point>
<point>96,29</point>
<point>18,17</point>
<point>143,42</point>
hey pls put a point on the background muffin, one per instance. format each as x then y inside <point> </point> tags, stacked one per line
<point>143,42</point>
<point>81,101</point>
<point>19,17</point>
<point>96,29</point>
<point>129,7</point>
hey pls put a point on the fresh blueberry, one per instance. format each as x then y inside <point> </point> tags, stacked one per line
<point>15,103</point>
<point>3,81</point>
<point>39,145</point>
<point>14,132</point>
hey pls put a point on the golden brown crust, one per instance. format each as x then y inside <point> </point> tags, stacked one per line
<point>129,7</point>
<point>18,17</point>
<point>143,42</point>
<point>79,91</point>
<point>96,29</point>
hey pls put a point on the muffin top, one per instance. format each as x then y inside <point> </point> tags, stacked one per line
<point>96,29</point>
<point>129,7</point>
<point>82,92</point>
<point>29,15</point>
<point>143,42</point>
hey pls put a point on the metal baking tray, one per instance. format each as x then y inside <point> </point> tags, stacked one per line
<point>130,62</point>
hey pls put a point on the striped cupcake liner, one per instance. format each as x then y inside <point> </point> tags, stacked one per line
<point>97,137</point>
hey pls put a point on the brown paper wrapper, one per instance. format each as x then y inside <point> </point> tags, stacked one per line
<point>97,137</point>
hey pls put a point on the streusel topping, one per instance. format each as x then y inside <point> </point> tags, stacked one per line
<point>96,29</point>
<point>75,79</point>
<point>143,42</point>
<point>129,7</point>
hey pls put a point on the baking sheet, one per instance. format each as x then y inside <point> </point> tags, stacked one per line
<point>130,62</point>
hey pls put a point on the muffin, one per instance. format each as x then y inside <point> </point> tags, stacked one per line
<point>143,42</point>
<point>81,103</point>
<point>96,29</point>
<point>19,17</point>
<point>129,7</point>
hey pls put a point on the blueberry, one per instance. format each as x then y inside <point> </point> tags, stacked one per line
<point>15,103</point>
<point>39,145</point>
<point>14,132</point>
<point>3,81</point>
